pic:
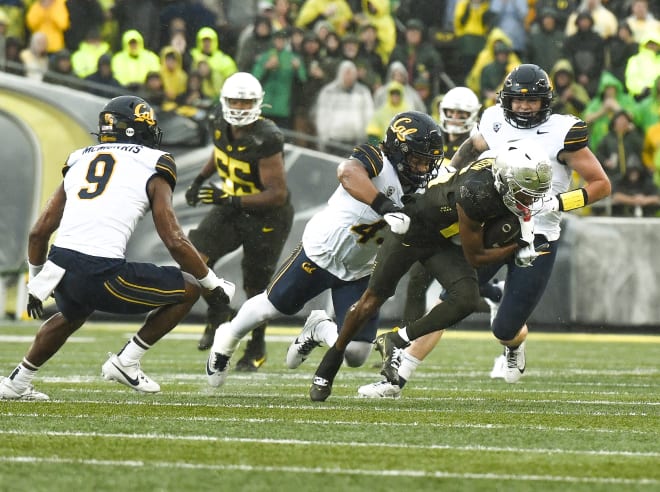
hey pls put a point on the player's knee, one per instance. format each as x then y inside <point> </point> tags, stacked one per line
<point>505,331</point>
<point>357,353</point>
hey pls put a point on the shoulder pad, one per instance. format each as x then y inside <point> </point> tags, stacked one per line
<point>370,157</point>
<point>166,167</point>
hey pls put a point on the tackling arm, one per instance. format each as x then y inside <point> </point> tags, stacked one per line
<point>469,151</point>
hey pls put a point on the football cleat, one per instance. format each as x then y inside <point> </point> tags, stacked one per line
<point>217,366</point>
<point>206,340</point>
<point>307,341</point>
<point>495,306</point>
<point>387,344</point>
<point>9,392</point>
<point>255,352</point>
<point>325,374</point>
<point>131,376</point>
<point>381,389</point>
<point>515,363</point>
<point>499,365</point>
<point>321,388</point>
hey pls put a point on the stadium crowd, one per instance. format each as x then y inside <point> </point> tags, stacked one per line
<point>336,71</point>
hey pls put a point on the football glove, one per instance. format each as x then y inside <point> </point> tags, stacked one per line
<point>398,222</point>
<point>526,256</point>
<point>550,204</point>
<point>193,190</point>
<point>211,194</point>
<point>35,308</point>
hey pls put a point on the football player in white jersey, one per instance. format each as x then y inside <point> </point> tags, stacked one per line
<point>106,189</point>
<point>523,112</point>
<point>339,244</point>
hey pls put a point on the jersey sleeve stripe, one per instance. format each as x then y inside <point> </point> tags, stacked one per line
<point>577,137</point>
<point>370,158</point>
<point>166,167</point>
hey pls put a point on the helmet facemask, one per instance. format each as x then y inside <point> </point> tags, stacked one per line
<point>238,89</point>
<point>526,81</point>
<point>459,99</point>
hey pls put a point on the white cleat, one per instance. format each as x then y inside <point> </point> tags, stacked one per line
<point>381,389</point>
<point>515,363</point>
<point>217,367</point>
<point>498,367</point>
<point>131,376</point>
<point>307,341</point>
<point>9,392</point>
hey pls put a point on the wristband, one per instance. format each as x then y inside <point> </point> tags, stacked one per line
<point>209,282</point>
<point>572,199</point>
<point>383,205</point>
<point>236,202</point>
<point>33,270</point>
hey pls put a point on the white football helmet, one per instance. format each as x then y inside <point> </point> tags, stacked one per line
<point>459,99</point>
<point>241,85</point>
<point>523,175</point>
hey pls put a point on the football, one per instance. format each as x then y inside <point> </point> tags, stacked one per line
<point>501,231</point>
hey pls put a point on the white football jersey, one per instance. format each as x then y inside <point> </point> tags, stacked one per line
<point>106,195</point>
<point>343,238</point>
<point>551,137</point>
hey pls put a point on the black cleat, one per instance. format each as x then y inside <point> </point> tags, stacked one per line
<point>207,338</point>
<point>325,374</point>
<point>255,352</point>
<point>388,344</point>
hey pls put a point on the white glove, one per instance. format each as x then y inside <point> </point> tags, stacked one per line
<point>526,256</point>
<point>550,204</point>
<point>228,287</point>
<point>527,230</point>
<point>211,281</point>
<point>398,222</point>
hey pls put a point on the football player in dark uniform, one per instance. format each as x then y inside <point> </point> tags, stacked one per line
<point>251,206</point>
<point>456,206</point>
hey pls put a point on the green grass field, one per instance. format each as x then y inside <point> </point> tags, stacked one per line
<point>585,417</point>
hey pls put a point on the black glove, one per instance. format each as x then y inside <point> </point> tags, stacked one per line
<point>193,190</point>
<point>211,194</point>
<point>35,307</point>
<point>217,298</point>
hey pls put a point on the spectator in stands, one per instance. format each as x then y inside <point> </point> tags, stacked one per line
<point>13,63</point>
<point>193,14</point>
<point>610,98</point>
<point>635,194</point>
<point>570,97</point>
<point>546,40</point>
<point>648,109</point>
<point>337,12</point>
<point>179,41</point>
<point>15,12</point>
<point>35,56</point>
<point>397,71</point>
<point>621,146</point>
<point>644,68</point>
<point>278,69</point>
<point>256,43</point>
<point>378,14</point>
<point>194,95</point>
<point>84,16</point>
<point>104,77</point>
<point>486,56</point>
<point>651,151</point>
<point>394,104</point>
<point>50,17</point>
<point>642,22</point>
<point>369,51</point>
<point>367,74</point>
<point>564,8</point>
<point>153,90</point>
<point>511,15</point>
<point>471,26</point>
<point>282,17</point>
<point>60,70</point>
<point>306,93</point>
<point>131,65</point>
<point>221,63</point>
<point>142,16</point>
<point>585,50</point>
<point>86,57</point>
<point>604,21</point>
<point>211,80</point>
<point>618,50</point>
<point>420,57</point>
<point>344,108</point>
<point>494,73</point>
<point>175,78</point>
